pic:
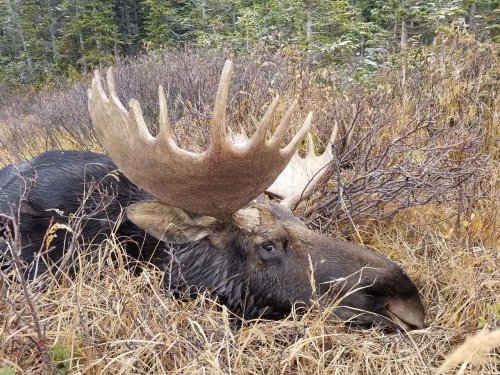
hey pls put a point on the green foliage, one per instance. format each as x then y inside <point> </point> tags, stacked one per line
<point>488,20</point>
<point>90,36</point>
<point>337,31</point>
<point>63,358</point>
<point>7,370</point>
<point>25,40</point>
<point>168,23</point>
<point>41,40</point>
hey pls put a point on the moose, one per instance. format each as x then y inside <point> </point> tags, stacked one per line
<point>205,219</point>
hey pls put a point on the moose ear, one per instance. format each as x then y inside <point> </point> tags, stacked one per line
<point>170,224</point>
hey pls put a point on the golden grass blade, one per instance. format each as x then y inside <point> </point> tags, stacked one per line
<point>474,350</point>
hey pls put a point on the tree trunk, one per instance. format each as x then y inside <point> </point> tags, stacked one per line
<point>14,11</point>
<point>53,41</point>
<point>309,23</point>
<point>472,18</point>
<point>404,26</point>
<point>82,48</point>
<point>404,35</point>
<point>309,26</point>
<point>52,31</point>
<point>80,39</point>
<point>204,9</point>
<point>29,59</point>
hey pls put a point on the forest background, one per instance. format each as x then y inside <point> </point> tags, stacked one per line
<point>42,41</point>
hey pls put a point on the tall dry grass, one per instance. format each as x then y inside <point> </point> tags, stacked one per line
<point>108,320</point>
<point>431,203</point>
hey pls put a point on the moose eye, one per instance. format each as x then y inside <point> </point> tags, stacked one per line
<point>268,246</point>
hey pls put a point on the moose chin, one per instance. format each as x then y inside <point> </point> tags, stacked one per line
<point>203,218</point>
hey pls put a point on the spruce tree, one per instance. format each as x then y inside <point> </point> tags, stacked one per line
<point>169,23</point>
<point>90,35</point>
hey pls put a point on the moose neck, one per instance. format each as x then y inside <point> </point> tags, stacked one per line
<point>201,266</point>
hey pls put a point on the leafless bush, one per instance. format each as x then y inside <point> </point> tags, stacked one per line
<point>382,171</point>
<point>424,135</point>
<point>58,118</point>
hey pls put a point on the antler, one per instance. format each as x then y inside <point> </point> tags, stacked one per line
<point>301,175</point>
<point>216,182</point>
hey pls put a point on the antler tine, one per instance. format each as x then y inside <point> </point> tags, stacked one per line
<point>165,131</point>
<point>141,127</point>
<point>299,178</point>
<point>111,87</point>
<point>327,156</point>
<point>219,133</point>
<point>299,136</point>
<point>164,136</point>
<point>217,182</point>
<point>96,86</point>
<point>102,107</point>
<point>260,134</point>
<point>280,131</point>
<point>335,133</point>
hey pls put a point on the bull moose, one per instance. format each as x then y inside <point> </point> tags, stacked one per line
<point>203,218</point>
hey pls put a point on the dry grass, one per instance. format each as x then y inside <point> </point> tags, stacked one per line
<point>107,319</point>
<point>476,348</point>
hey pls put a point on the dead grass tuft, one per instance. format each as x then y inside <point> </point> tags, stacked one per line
<point>475,349</point>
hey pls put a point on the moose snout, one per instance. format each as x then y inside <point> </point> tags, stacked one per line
<point>365,305</point>
<point>409,314</point>
<point>368,288</point>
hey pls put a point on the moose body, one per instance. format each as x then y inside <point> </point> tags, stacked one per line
<point>254,255</point>
<point>55,187</point>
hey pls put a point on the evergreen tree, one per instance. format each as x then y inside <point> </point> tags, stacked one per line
<point>485,16</point>
<point>43,38</point>
<point>168,23</point>
<point>90,35</point>
<point>130,18</point>
<point>39,24</point>
<point>328,31</point>
<point>17,62</point>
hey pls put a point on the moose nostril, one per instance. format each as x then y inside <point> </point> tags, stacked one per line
<point>410,312</point>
